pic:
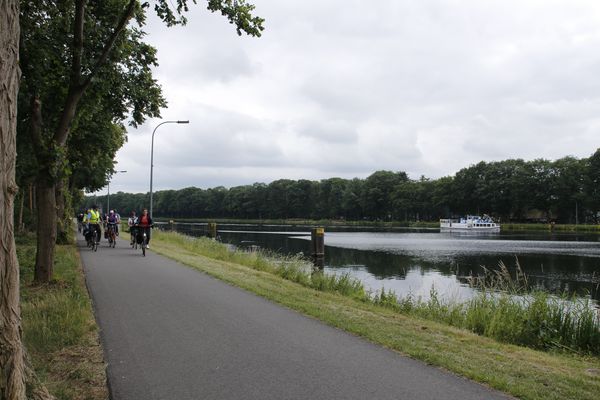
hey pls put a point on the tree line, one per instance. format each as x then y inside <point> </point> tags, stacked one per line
<point>564,190</point>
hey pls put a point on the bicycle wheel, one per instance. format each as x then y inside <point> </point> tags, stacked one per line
<point>97,240</point>
<point>144,244</point>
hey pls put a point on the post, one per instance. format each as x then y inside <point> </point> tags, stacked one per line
<point>317,240</point>
<point>152,155</point>
<point>212,230</point>
<point>108,195</point>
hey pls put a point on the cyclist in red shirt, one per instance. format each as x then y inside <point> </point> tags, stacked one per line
<point>145,223</point>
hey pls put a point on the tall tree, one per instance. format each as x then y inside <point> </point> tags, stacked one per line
<point>90,39</point>
<point>17,381</point>
<point>12,361</point>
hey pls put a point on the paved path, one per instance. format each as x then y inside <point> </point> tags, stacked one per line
<point>173,333</point>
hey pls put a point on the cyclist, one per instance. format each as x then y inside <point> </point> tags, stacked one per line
<point>93,220</point>
<point>118,221</point>
<point>86,223</point>
<point>145,223</point>
<point>131,222</point>
<point>112,221</point>
<point>79,222</point>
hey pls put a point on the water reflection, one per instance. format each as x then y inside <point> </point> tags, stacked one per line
<point>413,262</point>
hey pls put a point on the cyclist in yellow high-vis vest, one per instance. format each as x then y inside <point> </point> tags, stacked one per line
<point>93,219</point>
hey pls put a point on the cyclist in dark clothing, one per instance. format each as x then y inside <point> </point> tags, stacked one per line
<point>144,223</point>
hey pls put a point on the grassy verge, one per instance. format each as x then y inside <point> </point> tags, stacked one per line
<point>548,227</point>
<point>59,329</point>
<point>525,373</point>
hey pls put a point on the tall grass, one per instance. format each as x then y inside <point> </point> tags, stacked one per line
<point>59,329</point>
<point>504,308</point>
<point>507,309</point>
<point>57,314</point>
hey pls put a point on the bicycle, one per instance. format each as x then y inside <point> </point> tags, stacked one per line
<point>133,232</point>
<point>112,235</point>
<point>95,237</point>
<point>144,244</point>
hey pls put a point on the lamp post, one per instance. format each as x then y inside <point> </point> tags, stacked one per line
<point>108,196</point>
<point>152,154</point>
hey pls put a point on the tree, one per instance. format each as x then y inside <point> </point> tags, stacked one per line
<point>12,361</point>
<point>377,195</point>
<point>592,183</point>
<point>102,45</point>
<point>17,381</point>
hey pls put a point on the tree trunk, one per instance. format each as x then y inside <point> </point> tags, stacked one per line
<point>63,228</point>
<point>12,361</point>
<point>22,200</point>
<point>46,232</point>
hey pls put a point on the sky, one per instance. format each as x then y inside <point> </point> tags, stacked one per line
<point>343,88</point>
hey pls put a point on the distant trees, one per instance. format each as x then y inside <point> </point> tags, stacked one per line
<point>566,190</point>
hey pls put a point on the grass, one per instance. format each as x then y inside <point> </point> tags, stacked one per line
<point>506,309</point>
<point>342,302</point>
<point>59,330</point>
<point>548,227</point>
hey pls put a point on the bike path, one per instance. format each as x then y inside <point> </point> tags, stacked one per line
<point>173,333</point>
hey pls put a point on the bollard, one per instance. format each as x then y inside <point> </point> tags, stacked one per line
<point>171,222</point>
<point>212,230</point>
<point>317,236</point>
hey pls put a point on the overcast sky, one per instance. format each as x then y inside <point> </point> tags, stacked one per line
<point>347,87</point>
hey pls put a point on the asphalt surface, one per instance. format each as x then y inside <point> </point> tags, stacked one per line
<point>173,333</point>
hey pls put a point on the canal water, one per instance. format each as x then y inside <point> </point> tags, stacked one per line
<point>412,262</point>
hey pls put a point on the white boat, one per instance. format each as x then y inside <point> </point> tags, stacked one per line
<point>471,223</point>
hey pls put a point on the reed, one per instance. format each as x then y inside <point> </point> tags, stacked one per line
<point>507,309</point>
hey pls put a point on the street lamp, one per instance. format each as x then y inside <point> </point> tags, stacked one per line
<point>108,197</point>
<point>152,154</point>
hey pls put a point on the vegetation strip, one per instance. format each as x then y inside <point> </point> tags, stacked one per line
<point>59,328</point>
<point>522,372</point>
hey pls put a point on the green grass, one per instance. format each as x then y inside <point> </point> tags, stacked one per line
<point>343,303</point>
<point>506,309</point>
<point>548,227</point>
<point>59,329</point>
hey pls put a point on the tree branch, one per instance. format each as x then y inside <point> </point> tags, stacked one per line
<point>77,43</point>
<point>76,87</point>
<point>110,43</point>
<point>35,121</point>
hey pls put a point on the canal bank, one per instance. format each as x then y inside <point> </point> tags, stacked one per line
<point>522,372</point>
<point>413,261</point>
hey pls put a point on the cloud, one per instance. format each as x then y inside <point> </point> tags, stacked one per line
<point>344,88</point>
